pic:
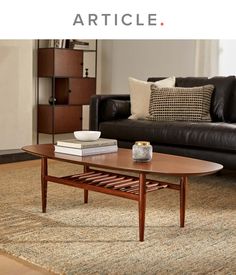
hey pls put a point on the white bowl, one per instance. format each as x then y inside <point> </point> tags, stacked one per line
<point>87,135</point>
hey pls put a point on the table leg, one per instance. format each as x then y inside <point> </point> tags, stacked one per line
<point>85,196</point>
<point>44,183</point>
<point>142,205</point>
<point>183,185</point>
<point>86,169</point>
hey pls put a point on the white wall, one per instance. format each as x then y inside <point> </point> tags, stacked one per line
<point>16,93</point>
<point>207,58</point>
<point>227,57</point>
<point>144,58</point>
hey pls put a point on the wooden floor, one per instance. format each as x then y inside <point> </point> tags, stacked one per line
<point>11,266</point>
<point>8,264</point>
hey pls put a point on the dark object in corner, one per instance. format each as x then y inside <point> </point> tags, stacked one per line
<point>52,100</point>
<point>9,157</point>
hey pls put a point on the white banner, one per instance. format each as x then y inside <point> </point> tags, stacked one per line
<point>107,19</point>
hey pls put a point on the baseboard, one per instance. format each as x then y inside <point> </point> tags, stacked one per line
<point>16,157</point>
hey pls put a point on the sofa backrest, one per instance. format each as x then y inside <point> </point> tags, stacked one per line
<point>221,109</point>
<point>232,105</point>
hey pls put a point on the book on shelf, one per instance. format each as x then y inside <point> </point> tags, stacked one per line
<point>81,47</point>
<point>58,43</point>
<point>75,143</point>
<point>78,44</point>
<point>86,151</point>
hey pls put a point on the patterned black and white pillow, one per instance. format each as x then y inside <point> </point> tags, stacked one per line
<point>180,104</point>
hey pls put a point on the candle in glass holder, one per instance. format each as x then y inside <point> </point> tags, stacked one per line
<point>142,151</point>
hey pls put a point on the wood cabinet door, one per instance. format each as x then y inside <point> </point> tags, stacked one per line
<point>45,62</point>
<point>68,63</point>
<point>62,90</point>
<point>60,63</point>
<point>67,119</point>
<point>74,90</point>
<point>81,89</point>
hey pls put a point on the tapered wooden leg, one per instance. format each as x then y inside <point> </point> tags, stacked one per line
<point>85,196</point>
<point>183,185</point>
<point>44,183</point>
<point>86,169</point>
<point>142,205</point>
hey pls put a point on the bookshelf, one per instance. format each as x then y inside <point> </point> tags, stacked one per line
<point>70,84</point>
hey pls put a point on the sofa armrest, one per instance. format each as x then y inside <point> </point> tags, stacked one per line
<point>100,106</point>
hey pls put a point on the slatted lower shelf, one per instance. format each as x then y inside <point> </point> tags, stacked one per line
<point>113,181</point>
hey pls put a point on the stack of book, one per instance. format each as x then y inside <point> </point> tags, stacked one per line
<point>79,45</point>
<point>86,148</point>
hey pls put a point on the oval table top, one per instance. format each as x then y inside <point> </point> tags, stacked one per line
<point>122,160</point>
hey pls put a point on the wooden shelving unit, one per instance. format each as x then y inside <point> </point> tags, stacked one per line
<point>70,89</point>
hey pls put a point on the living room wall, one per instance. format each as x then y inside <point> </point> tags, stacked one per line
<point>144,58</point>
<point>16,90</point>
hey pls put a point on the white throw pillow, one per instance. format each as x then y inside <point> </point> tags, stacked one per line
<point>140,92</point>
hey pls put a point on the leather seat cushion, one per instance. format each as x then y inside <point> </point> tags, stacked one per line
<point>210,135</point>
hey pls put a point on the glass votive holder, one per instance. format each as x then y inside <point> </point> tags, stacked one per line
<point>142,151</point>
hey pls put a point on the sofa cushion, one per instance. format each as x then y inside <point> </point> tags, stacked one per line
<point>140,95</point>
<point>181,104</point>
<point>97,105</point>
<point>221,96</point>
<point>209,135</point>
<point>220,110</point>
<point>116,109</point>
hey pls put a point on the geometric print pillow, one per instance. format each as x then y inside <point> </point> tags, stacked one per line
<point>182,104</point>
<point>140,95</point>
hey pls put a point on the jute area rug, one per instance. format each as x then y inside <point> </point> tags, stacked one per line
<point>102,236</point>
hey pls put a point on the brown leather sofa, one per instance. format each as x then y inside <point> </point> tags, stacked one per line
<point>213,141</point>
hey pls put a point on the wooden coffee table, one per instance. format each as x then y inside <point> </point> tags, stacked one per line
<point>117,184</point>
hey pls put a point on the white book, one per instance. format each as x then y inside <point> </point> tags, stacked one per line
<point>86,151</point>
<point>80,47</point>
<point>75,143</point>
